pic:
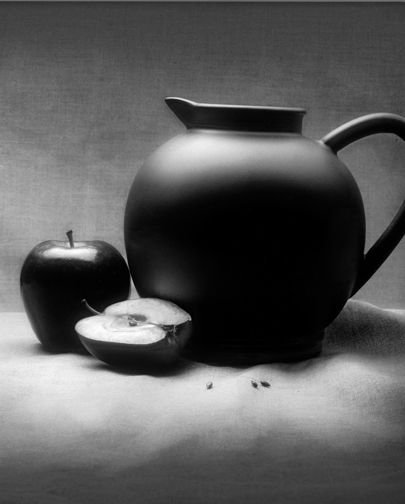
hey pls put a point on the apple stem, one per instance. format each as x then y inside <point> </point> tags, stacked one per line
<point>69,234</point>
<point>91,309</point>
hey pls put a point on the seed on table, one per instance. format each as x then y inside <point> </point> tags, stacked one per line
<point>210,385</point>
<point>265,383</point>
<point>254,384</point>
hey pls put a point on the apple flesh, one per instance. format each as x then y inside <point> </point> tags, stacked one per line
<point>144,333</point>
<point>57,275</point>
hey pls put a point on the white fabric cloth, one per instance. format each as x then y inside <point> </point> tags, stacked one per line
<point>331,429</point>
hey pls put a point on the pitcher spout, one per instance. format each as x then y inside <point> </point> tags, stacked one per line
<point>182,108</point>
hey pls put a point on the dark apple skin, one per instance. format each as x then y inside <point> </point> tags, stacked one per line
<point>56,277</point>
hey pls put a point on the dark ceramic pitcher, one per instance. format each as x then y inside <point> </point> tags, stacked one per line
<point>257,231</point>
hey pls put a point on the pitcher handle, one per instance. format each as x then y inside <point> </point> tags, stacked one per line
<point>346,134</point>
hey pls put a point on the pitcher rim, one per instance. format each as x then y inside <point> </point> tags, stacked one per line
<point>300,110</point>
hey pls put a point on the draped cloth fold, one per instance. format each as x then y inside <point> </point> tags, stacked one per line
<point>329,429</point>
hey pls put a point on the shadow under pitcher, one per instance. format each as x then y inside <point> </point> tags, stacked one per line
<point>257,231</point>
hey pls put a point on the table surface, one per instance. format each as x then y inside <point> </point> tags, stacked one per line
<point>330,429</point>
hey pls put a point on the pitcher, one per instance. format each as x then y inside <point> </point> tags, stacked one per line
<point>255,230</point>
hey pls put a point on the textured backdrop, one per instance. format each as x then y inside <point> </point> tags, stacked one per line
<point>81,104</point>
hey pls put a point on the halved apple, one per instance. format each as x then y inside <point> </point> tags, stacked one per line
<point>141,333</point>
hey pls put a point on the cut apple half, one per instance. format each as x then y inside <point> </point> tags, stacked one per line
<point>143,333</point>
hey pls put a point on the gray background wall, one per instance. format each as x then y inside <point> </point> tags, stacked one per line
<point>81,104</point>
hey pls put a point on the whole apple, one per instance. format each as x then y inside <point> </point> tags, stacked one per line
<point>57,275</point>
